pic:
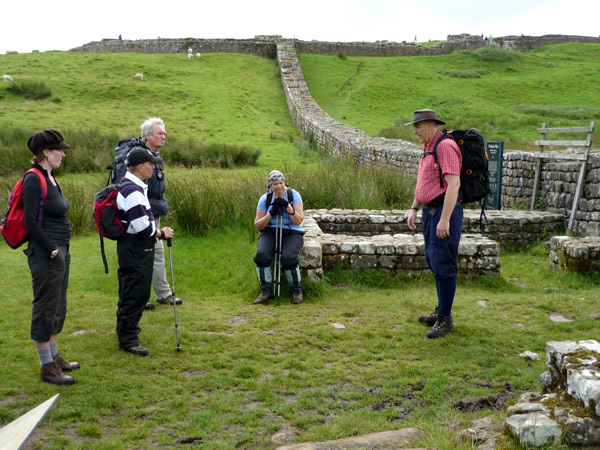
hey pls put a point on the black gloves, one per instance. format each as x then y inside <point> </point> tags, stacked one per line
<point>279,205</point>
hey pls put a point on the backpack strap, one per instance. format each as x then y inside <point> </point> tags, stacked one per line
<point>435,155</point>
<point>290,196</point>
<point>43,190</point>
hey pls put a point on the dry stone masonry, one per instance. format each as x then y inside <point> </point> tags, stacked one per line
<point>569,406</point>
<point>558,178</point>
<point>506,227</point>
<point>575,254</point>
<point>389,250</point>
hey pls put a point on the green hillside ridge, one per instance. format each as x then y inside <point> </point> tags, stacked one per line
<point>246,374</point>
<point>505,94</point>
<point>229,98</point>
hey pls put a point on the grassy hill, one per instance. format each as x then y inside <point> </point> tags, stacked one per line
<point>507,95</point>
<point>246,374</point>
<point>236,99</point>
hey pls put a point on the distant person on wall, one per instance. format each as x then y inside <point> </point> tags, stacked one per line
<point>136,249</point>
<point>279,199</point>
<point>48,254</point>
<point>153,137</point>
<point>442,215</point>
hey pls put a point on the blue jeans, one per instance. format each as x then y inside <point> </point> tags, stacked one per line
<point>442,254</point>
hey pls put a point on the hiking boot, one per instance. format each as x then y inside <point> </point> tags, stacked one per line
<point>149,306</point>
<point>51,373</point>
<point>297,298</point>
<point>431,319</point>
<point>136,350</point>
<point>65,365</point>
<point>262,299</point>
<point>169,300</point>
<point>441,327</point>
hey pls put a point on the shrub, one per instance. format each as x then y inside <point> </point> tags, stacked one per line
<point>342,56</point>
<point>492,54</point>
<point>471,73</point>
<point>32,90</point>
<point>192,153</point>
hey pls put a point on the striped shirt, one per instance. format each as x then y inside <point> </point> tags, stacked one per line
<point>428,178</point>
<point>132,200</point>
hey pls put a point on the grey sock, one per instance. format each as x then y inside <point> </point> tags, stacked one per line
<point>44,355</point>
<point>54,349</point>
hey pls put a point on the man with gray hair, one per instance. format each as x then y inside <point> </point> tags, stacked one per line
<point>153,137</point>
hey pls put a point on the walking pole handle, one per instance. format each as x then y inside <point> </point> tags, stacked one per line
<point>169,244</point>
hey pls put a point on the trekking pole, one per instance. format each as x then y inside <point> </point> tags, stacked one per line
<point>169,244</point>
<point>278,227</point>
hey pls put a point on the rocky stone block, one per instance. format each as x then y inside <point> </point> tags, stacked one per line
<point>534,429</point>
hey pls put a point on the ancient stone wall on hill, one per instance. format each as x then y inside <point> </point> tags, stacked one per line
<point>558,178</point>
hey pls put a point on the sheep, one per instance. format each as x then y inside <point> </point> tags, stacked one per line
<point>6,78</point>
<point>190,56</point>
<point>139,76</point>
<point>198,55</point>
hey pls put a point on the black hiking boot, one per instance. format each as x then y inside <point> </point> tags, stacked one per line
<point>431,319</point>
<point>441,327</point>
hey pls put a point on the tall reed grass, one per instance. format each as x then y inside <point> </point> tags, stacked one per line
<point>200,203</point>
<point>93,150</point>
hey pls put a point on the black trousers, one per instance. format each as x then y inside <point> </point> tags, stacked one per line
<point>136,260</point>
<point>49,279</point>
<point>291,244</point>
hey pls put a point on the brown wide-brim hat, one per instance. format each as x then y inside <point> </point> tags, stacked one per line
<point>423,115</point>
<point>46,139</point>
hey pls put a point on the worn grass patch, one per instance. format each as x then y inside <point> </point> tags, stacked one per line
<point>247,372</point>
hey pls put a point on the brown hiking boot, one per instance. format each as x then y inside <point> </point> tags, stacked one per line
<point>431,319</point>
<point>262,299</point>
<point>65,365</point>
<point>51,373</point>
<point>297,298</point>
<point>441,327</point>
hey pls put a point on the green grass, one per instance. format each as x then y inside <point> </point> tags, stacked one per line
<point>507,95</point>
<point>221,98</point>
<point>246,372</point>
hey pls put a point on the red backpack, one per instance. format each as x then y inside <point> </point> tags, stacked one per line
<point>13,225</point>
<point>106,216</point>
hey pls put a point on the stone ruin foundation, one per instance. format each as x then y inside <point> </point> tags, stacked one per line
<point>577,254</point>
<point>380,239</point>
<point>566,411</point>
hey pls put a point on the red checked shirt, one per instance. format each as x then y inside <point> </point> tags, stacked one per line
<point>428,178</point>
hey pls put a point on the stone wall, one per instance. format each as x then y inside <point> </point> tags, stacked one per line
<point>257,46</point>
<point>558,178</point>
<point>265,45</point>
<point>477,254</point>
<point>568,410</point>
<point>575,254</point>
<point>507,227</point>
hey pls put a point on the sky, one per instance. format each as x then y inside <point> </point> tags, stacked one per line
<point>27,25</point>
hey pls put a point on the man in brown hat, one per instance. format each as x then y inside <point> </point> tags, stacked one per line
<point>442,214</point>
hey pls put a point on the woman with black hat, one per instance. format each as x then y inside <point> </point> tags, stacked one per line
<point>48,253</point>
